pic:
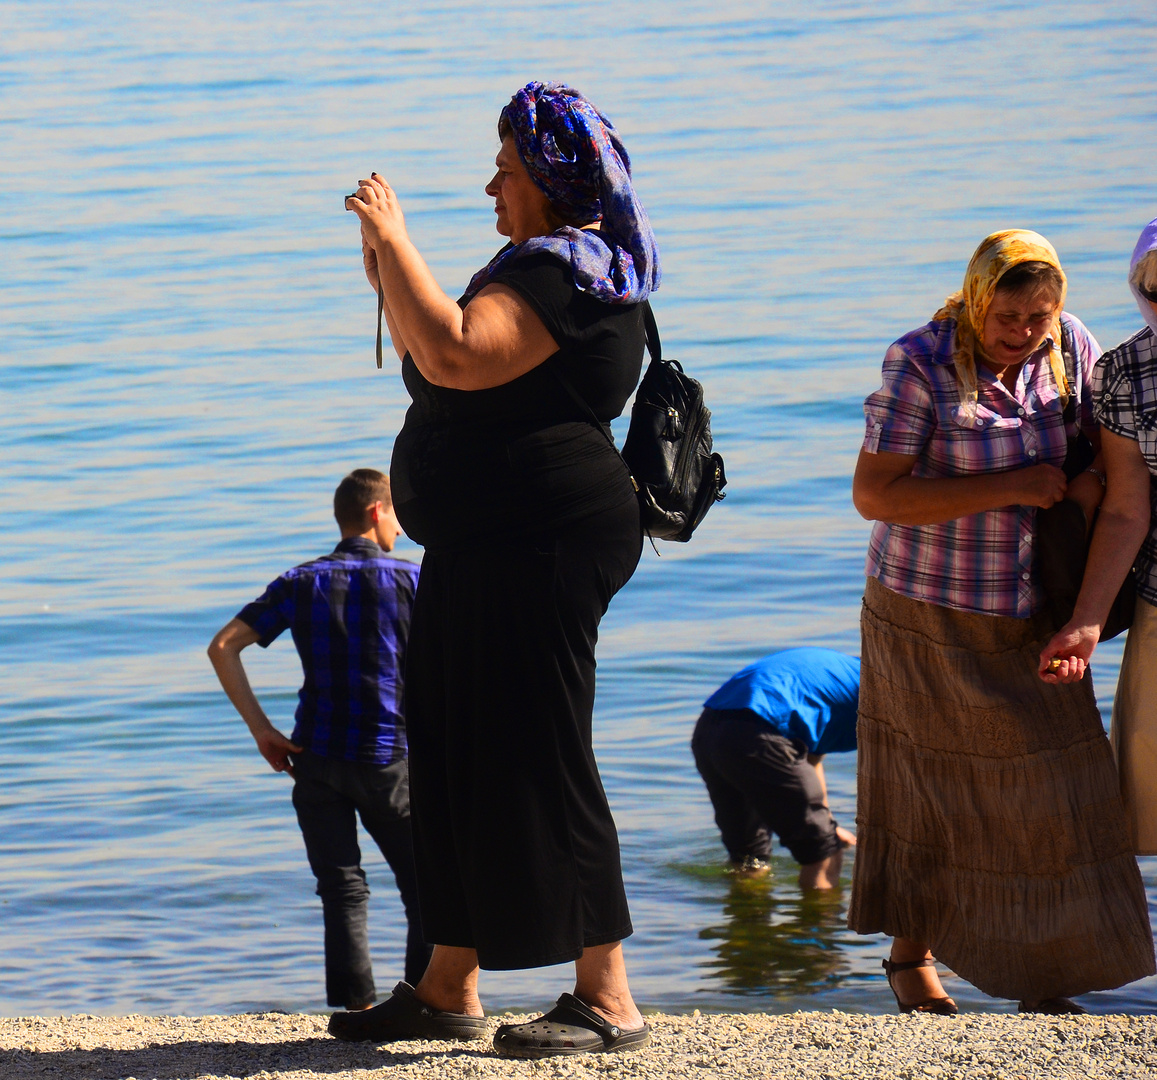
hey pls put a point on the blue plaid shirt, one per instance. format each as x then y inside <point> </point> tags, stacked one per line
<point>349,614</point>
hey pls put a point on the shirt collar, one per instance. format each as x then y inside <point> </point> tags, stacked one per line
<point>359,545</point>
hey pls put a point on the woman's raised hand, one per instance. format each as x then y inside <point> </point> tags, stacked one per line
<point>377,206</point>
<point>1041,485</point>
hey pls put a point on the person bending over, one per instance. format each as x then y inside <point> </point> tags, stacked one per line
<point>349,614</point>
<point>759,747</point>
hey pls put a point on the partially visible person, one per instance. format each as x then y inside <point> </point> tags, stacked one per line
<point>349,615</point>
<point>1125,388</point>
<point>990,826</point>
<point>759,746</point>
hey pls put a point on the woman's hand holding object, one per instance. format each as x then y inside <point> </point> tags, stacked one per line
<point>377,206</point>
<point>1041,485</point>
<point>1067,653</point>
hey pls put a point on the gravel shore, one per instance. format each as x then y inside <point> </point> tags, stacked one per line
<point>820,1046</point>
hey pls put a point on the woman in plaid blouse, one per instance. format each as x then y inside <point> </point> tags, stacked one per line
<point>991,831</point>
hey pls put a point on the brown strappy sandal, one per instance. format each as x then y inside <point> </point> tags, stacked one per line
<point>940,1006</point>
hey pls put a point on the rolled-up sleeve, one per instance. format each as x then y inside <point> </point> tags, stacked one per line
<point>899,417</point>
<point>1113,396</point>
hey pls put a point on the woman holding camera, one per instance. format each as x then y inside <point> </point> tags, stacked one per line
<point>991,832</point>
<point>530,525</point>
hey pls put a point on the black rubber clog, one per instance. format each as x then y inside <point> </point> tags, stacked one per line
<point>403,1016</point>
<point>571,1027</point>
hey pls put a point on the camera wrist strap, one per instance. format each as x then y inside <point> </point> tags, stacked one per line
<point>381,308</point>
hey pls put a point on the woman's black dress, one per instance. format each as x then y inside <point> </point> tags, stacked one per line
<point>530,525</point>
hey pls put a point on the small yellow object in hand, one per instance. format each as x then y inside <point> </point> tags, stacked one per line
<point>1054,665</point>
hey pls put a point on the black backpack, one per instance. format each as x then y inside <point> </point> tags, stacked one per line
<point>668,450</point>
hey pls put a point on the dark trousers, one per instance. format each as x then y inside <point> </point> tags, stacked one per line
<point>761,783</point>
<point>328,795</point>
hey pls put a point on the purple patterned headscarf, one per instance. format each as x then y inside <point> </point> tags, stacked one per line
<point>1146,243</point>
<point>576,158</point>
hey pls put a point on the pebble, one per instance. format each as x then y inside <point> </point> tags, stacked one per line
<point>818,1046</point>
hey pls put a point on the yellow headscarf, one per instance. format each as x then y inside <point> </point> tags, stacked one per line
<point>997,254</point>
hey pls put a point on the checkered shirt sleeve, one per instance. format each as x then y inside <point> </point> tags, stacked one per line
<point>1125,392</point>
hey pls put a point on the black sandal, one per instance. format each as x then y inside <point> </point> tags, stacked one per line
<point>941,1006</point>
<point>571,1027</point>
<point>405,1016</point>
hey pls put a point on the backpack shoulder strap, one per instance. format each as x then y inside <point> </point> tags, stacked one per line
<point>654,345</point>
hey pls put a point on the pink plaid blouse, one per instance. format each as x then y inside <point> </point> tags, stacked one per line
<point>982,562</point>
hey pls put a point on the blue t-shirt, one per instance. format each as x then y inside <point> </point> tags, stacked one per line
<point>349,613</point>
<point>807,694</point>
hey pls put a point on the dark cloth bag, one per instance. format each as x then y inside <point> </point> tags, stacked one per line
<point>1063,536</point>
<point>1061,554</point>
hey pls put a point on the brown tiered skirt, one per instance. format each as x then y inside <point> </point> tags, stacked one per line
<point>990,821</point>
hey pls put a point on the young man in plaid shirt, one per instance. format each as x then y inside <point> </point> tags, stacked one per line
<point>349,615</point>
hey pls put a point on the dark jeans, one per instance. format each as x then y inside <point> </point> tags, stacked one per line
<point>327,795</point>
<point>760,781</point>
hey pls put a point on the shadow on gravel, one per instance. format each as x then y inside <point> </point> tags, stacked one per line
<point>183,1060</point>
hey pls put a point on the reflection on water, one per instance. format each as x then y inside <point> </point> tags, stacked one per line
<point>775,940</point>
<point>188,368</point>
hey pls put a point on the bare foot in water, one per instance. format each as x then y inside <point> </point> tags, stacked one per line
<point>750,867</point>
<point>822,875</point>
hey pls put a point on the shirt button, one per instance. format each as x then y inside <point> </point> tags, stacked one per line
<point>1025,576</point>
<point>1020,412</point>
<point>1032,453</point>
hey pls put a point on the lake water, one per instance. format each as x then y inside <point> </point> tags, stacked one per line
<point>188,370</point>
